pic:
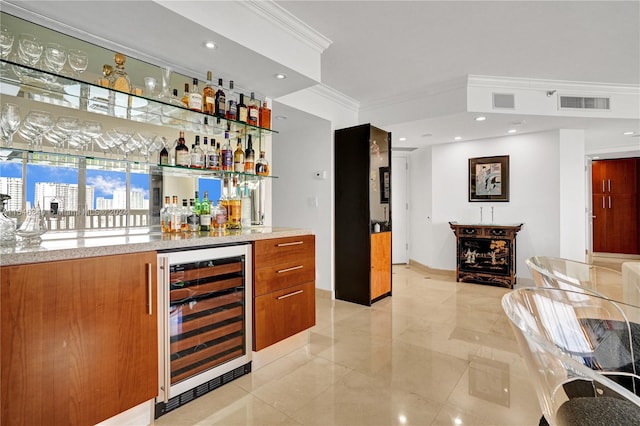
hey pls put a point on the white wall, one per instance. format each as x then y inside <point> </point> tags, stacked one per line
<point>535,196</point>
<point>573,202</point>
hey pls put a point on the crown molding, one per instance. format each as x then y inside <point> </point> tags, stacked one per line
<point>335,96</point>
<point>564,86</point>
<point>284,19</point>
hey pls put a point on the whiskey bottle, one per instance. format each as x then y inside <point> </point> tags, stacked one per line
<point>227,154</point>
<point>249,157</point>
<point>175,216</point>
<point>205,213</point>
<point>221,216</point>
<point>197,155</point>
<point>232,106</point>
<point>238,158</point>
<point>221,100</point>
<point>164,156</point>
<point>265,116</point>
<point>185,95</point>
<point>164,216</point>
<point>243,114</point>
<point>262,166</point>
<point>253,110</point>
<point>182,152</point>
<point>195,97</point>
<point>209,97</point>
<point>234,207</point>
<point>193,220</point>
<point>213,157</point>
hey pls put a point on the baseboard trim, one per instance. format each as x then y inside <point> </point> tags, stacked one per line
<point>424,268</point>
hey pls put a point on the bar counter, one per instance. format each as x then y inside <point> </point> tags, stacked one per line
<point>64,245</point>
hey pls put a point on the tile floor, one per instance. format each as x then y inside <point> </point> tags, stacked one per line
<point>435,353</point>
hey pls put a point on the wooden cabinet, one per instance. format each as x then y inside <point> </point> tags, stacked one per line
<point>284,288</point>
<point>363,214</point>
<point>616,220</point>
<point>79,339</point>
<point>486,254</point>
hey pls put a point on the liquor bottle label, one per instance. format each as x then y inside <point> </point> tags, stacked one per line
<point>213,161</point>
<point>210,100</point>
<point>182,158</point>
<point>227,159</point>
<point>195,101</point>
<point>205,220</point>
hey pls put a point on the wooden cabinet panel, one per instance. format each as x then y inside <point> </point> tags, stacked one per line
<point>283,313</point>
<point>622,236</point>
<point>78,343</point>
<point>599,223</point>
<point>281,250</point>
<point>380,264</point>
<point>277,277</point>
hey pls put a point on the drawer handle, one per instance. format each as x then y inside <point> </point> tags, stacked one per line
<point>295,243</point>
<point>289,269</point>
<point>284,296</point>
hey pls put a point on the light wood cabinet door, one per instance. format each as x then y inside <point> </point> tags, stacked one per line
<point>79,339</point>
<point>380,264</point>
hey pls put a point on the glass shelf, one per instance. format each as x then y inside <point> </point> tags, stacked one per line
<point>72,160</point>
<point>42,86</point>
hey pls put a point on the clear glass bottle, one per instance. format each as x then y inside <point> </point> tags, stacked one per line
<point>182,152</point>
<point>249,157</point>
<point>175,216</point>
<point>221,100</point>
<point>213,156</point>
<point>184,216</point>
<point>209,97</point>
<point>164,215</point>
<point>221,216</point>
<point>253,109</point>
<point>227,154</point>
<point>197,155</point>
<point>238,158</point>
<point>195,97</point>
<point>262,165</point>
<point>245,220</point>
<point>193,219</point>
<point>234,206</point>
<point>118,79</point>
<point>7,225</point>
<point>185,96</point>
<point>232,106</point>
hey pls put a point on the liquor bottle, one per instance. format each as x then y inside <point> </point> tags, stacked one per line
<point>238,158</point>
<point>245,221</point>
<point>196,207</point>
<point>182,152</point>
<point>234,207</point>
<point>227,154</point>
<point>209,97</point>
<point>164,156</point>
<point>265,116</point>
<point>195,97</point>
<point>164,215</point>
<point>262,165</point>
<point>175,223</point>
<point>193,219</point>
<point>184,216</point>
<point>221,216</point>
<point>221,100</point>
<point>185,95</point>
<point>242,110</point>
<point>118,78</point>
<point>205,213</point>
<point>249,158</point>
<point>197,155</point>
<point>232,106</point>
<point>253,109</point>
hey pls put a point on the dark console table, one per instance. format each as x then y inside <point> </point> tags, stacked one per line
<point>486,254</point>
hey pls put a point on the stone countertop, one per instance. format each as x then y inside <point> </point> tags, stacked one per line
<point>81,244</point>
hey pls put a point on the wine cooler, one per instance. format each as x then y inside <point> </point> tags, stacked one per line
<point>204,321</point>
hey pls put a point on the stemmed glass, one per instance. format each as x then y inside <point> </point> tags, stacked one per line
<point>6,44</point>
<point>92,130</point>
<point>29,49</point>
<point>35,124</point>
<point>146,143</point>
<point>121,137</point>
<point>54,57</point>
<point>9,123</point>
<point>65,127</point>
<point>78,61</point>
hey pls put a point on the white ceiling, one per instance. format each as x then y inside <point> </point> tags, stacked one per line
<point>388,49</point>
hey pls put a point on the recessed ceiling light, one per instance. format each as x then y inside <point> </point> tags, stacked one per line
<point>481,118</point>
<point>280,76</point>
<point>457,138</point>
<point>426,135</point>
<point>511,131</point>
<point>209,45</point>
<point>281,117</point>
<point>627,133</point>
<point>402,139</point>
<point>595,157</point>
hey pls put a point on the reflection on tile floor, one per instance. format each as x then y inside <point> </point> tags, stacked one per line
<point>435,353</point>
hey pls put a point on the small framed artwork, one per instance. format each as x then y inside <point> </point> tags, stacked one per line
<point>489,178</point>
<point>385,185</point>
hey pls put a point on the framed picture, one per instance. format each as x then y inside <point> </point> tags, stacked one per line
<point>385,185</point>
<point>489,178</point>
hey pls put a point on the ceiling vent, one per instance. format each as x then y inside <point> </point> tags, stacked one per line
<point>579,102</point>
<point>504,101</point>
<point>402,148</point>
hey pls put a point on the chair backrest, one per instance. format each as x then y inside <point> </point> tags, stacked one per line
<point>567,274</point>
<point>564,337</point>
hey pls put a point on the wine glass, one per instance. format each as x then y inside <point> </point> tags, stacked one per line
<point>104,142</point>
<point>9,123</point>
<point>6,42</point>
<point>54,57</point>
<point>92,130</point>
<point>66,126</point>
<point>29,49</point>
<point>120,136</point>
<point>35,124</point>
<point>145,143</point>
<point>78,61</point>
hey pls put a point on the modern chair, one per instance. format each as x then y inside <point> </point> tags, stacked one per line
<point>579,351</point>
<point>569,274</point>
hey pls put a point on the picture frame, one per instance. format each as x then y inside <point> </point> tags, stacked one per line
<point>385,185</point>
<point>489,179</point>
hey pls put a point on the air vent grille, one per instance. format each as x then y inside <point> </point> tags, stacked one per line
<point>579,102</point>
<point>504,100</point>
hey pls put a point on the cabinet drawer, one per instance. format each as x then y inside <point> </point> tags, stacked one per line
<point>283,275</point>
<point>282,250</point>
<point>282,314</point>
